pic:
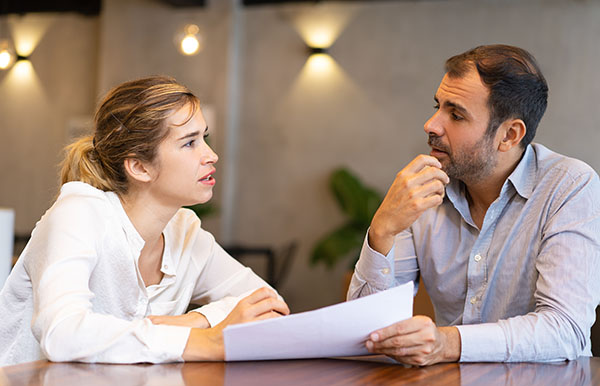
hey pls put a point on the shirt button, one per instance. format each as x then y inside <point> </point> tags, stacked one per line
<point>477,258</point>
<point>473,300</point>
<point>385,271</point>
<point>165,266</point>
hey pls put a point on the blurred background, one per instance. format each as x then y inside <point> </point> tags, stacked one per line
<point>292,91</point>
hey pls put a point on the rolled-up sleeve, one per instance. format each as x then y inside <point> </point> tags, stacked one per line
<point>375,272</point>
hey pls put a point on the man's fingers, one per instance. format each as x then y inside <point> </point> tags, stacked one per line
<point>432,188</point>
<point>401,351</point>
<point>404,327</point>
<point>414,339</point>
<point>430,173</point>
<point>421,161</point>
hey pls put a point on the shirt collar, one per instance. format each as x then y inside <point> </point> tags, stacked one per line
<point>523,177</point>
<point>136,242</point>
<point>168,266</point>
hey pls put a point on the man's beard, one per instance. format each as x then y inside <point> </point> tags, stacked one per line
<point>470,165</point>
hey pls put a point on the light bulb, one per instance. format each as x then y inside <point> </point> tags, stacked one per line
<point>7,54</point>
<point>189,41</point>
<point>6,59</point>
<point>320,63</point>
<point>190,45</point>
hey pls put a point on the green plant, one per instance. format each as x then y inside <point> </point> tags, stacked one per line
<point>203,210</point>
<point>359,203</point>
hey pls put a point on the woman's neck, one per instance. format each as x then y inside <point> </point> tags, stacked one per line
<point>148,216</point>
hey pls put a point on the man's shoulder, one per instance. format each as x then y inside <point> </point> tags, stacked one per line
<point>552,165</point>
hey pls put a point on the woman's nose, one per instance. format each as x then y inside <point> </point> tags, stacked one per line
<point>210,157</point>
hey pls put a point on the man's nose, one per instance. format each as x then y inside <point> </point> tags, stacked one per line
<point>434,126</point>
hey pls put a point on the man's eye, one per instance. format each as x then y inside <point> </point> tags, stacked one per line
<point>436,106</point>
<point>190,143</point>
<point>456,117</point>
<point>206,135</point>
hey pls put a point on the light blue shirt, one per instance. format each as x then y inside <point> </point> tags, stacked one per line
<point>525,286</point>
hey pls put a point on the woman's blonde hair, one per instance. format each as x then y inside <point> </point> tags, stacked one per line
<point>130,123</point>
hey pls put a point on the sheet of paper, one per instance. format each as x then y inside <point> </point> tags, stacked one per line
<point>338,330</point>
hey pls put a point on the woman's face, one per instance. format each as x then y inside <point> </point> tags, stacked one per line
<point>184,166</point>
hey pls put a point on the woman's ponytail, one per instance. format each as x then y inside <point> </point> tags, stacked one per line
<point>81,163</point>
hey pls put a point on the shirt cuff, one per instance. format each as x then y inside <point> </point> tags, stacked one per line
<point>482,343</point>
<point>169,341</point>
<point>375,268</point>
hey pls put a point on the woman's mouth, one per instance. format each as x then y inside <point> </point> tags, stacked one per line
<point>208,179</point>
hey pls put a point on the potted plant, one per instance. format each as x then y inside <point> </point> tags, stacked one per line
<point>359,202</point>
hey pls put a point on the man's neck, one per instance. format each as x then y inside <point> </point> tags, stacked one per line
<point>482,193</point>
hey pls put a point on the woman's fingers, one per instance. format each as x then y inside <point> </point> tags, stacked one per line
<point>270,305</point>
<point>259,294</point>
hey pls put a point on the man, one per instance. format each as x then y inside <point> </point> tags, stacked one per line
<point>504,234</point>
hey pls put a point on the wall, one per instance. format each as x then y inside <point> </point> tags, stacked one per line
<point>39,102</point>
<point>293,126</point>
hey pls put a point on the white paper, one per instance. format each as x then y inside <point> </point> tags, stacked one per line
<point>7,222</point>
<point>338,330</point>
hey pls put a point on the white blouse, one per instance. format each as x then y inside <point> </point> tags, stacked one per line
<point>76,293</point>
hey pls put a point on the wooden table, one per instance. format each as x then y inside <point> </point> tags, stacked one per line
<point>364,371</point>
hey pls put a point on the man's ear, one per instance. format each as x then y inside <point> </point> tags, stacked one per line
<point>137,170</point>
<point>510,134</point>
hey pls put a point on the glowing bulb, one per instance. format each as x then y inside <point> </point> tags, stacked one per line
<point>320,63</point>
<point>190,45</point>
<point>6,59</point>
<point>320,38</point>
<point>189,41</point>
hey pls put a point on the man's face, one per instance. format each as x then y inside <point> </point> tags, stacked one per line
<point>457,130</point>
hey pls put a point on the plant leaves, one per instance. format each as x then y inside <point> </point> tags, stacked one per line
<point>348,191</point>
<point>337,245</point>
<point>203,210</point>
<point>355,199</point>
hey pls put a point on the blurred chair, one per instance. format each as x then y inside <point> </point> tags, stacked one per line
<point>596,335</point>
<point>276,262</point>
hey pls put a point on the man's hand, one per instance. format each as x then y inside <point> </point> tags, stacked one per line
<point>417,187</point>
<point>416,341</point>
<point>191,319</point>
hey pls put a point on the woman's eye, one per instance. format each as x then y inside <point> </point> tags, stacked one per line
<point>190,143</point>
<point>436,106</point>
<point>206,135</point>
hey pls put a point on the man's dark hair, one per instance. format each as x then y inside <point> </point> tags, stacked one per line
<point>517,87</point>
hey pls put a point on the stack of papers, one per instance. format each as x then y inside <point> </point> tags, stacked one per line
<point>338,330</point>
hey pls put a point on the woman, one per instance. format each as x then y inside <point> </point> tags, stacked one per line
<point>115,258</point>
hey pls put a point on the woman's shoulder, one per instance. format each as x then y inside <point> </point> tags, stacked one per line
<point>79,202</point>
<point>186,227</point>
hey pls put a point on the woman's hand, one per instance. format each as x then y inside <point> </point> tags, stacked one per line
<point>260,304</point>
<point>207,344</point>
<point>191,319</point>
